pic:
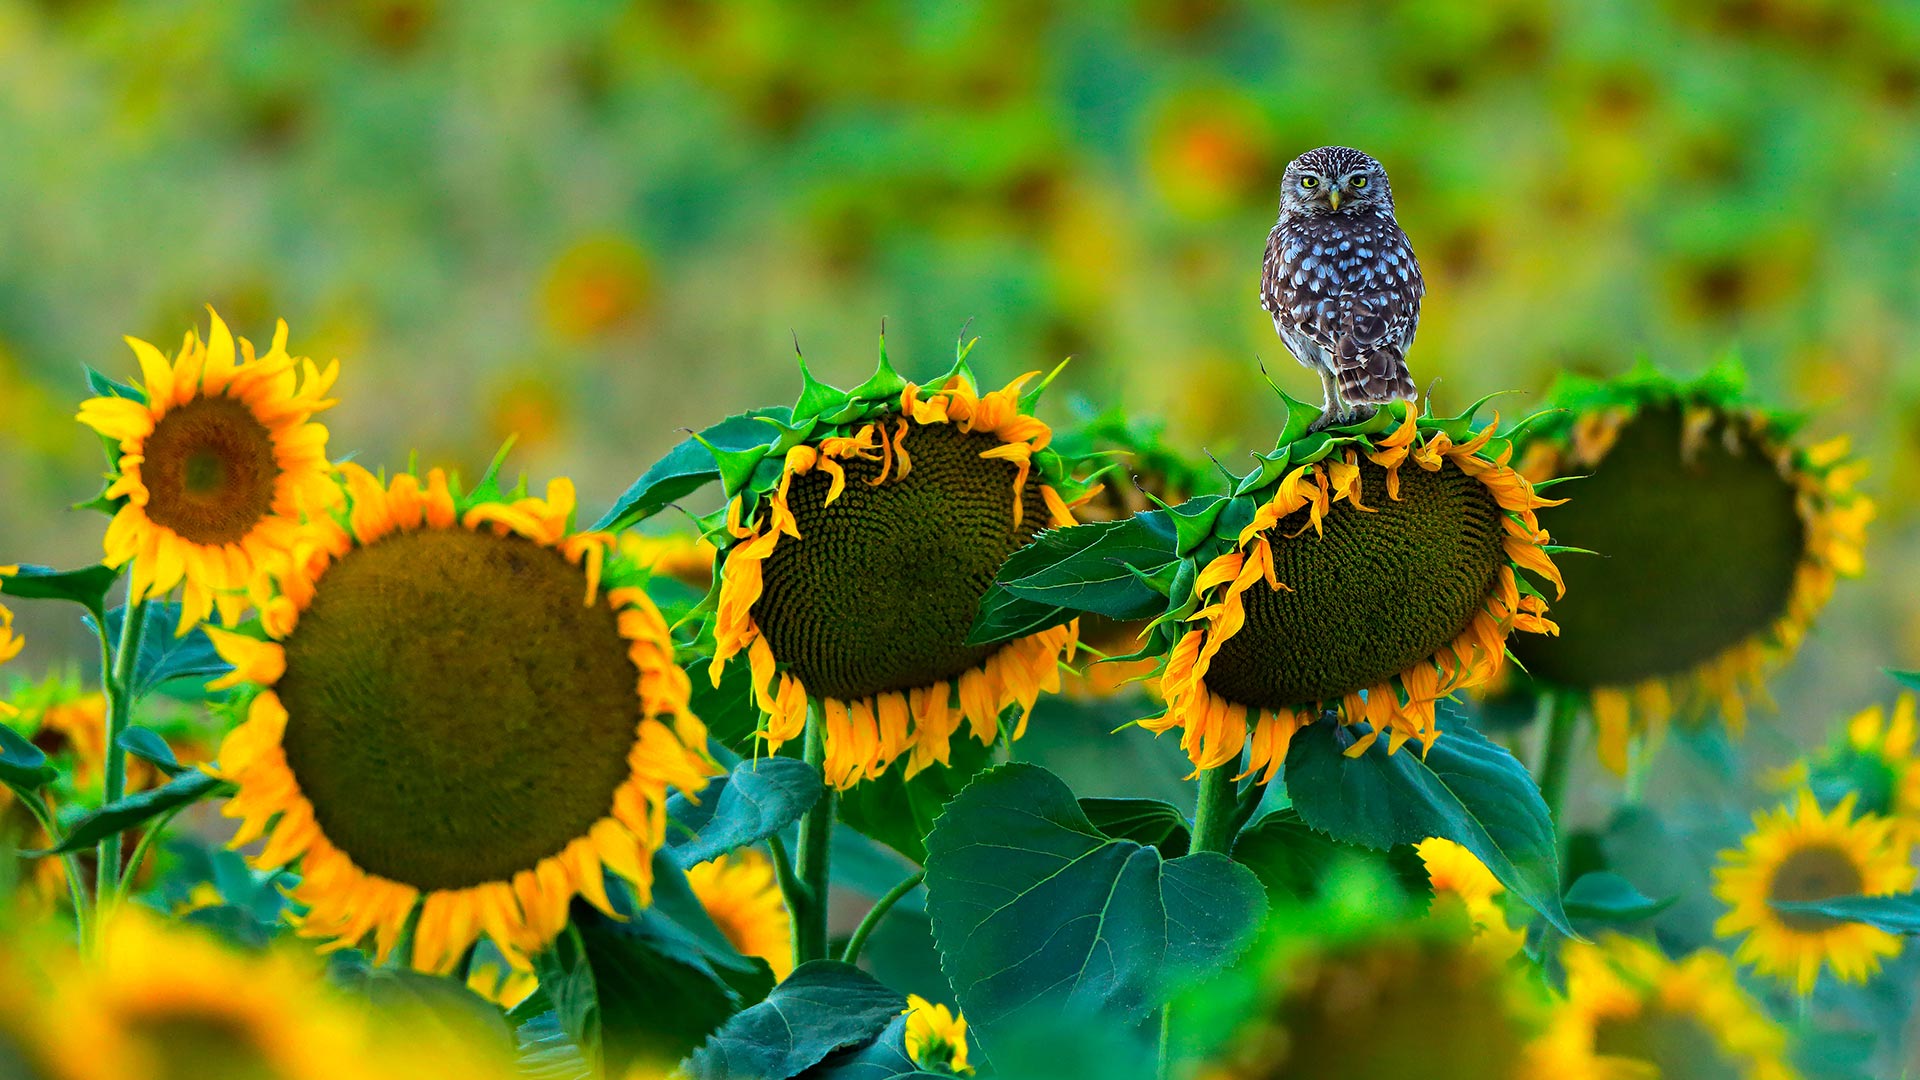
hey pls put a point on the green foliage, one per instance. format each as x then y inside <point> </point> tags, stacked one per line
<point>23,766</point>
<point>138,809</point>
<point>1606,897</point>
<point>1295,862</point>
<point>1036,911</point>
<point>758,799</point>
<point>87,587</point>
<point>1156,824</point>
<point>1896,914</point>
<point>823,1007</point>
<point>166,656</point>
<point>899,812</point>
<point>689,466</point>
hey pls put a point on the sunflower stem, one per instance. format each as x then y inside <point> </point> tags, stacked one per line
<point>1556,759</point>
<point>876,913</point>
<point>76,880</point>
<point>814,853</point>
<point>1216,817</point>
<point>119,695</point>
<point>147,838</point>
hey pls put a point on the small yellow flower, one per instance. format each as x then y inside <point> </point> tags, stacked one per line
<point>219,466</point>
<point>936,1039</point>
<point>1798,853</point>
<point>1462,881</point>
<point>743,899</point>
<point>1874,760</point>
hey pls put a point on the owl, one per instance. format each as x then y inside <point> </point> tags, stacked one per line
<point>1341,281</point>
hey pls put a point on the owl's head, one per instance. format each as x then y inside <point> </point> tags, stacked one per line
<point>1335,180</point>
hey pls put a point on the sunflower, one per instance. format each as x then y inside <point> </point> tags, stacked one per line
<point>1631,1013</point>
<point>1874,761</point>
<point>1359,572</point>
<point>743,899</point>
<point>219,464</point>
<point>1799,853</point>
<point>852,572</point>
<point>454,717</point>
<point>1722,535</point>
<point>1462,882</point>
<point>936,1039</point>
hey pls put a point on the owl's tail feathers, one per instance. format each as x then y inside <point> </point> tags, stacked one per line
<point>1377,377</point>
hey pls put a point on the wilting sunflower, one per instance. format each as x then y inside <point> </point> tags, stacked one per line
<point>1366,571</point>
<point>936,1039</point>
<point>859,540</point>
<point>1799,853</point>
<point>743,899</point>
<point>219,464</point>
<point>1873,761</point>
<point>454,716</point>
<point>1462,882</point>
<point>1722,536</point>
<point>1631,1013</point>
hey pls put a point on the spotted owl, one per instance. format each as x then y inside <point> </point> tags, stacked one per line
<point>1341,281</point>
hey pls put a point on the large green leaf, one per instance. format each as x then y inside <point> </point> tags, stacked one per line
<point>1467,789</point>
<point>1037,912</point>
<point>1603,896</point>
<point>688,467</point>
<point>23,766</point>
<point>87,587</point>
<point>728,710</point>
<point>164,656</point>
<point>899,812</point>
<point>823,1007</point>
<point>1093,567</point>
<point>885,1058</point>
<point>136,810</point>
<point>1294,860</point>
<point>1896,914</point>
<point>1144,821</point>
<point>547,1053</point>
<point>419,998</point>
<point>756,800</point>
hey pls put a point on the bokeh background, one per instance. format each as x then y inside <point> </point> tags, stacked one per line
<point>591,224</point>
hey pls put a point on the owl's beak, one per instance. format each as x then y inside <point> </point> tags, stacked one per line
<point>1333,199</point>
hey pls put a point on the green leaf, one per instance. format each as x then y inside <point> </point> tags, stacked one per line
<point>165,657</point>
<point>147,745</point>
<point>885,1058</point>
<point>1077,569</point>
<point>567,979</point>
<point>1151,822</point>
<point>1468,790</point>
<point>729,711</point>
<point>823,1007</point>
<point>416,998</point>
<point>1293,860</point>
<point>1604,896</point>
<point>756,800</point>
<point>546,1053</point>
<point>23,766</point>
<point>899,812</point>
<point>688,467</point>
<point>1004,616</point>
<point>87,587</point>
<point>1908,679</point>
<point>136,810</point>
<point>1036,911</point>
<point>1896,914</point>
<point>102,386</point>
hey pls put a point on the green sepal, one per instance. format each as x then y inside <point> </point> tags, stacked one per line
<point>1194,520</point>
<point>816,398</point>
<point>1300,415</point>
<point>735,466</point>
<point>1272,468</point>
<point>488,490</point>
<point>103,386</point>
<point>1030,398</point>
<point>688,467</point>
<point>885,384</point>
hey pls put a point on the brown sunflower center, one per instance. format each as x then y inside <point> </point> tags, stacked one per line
<point>456,713</point>
<point>1677,1045</point>
<point>1817,872</point>
<point>1449,1020</point>
<point>210,471</point>
<point>879,592</point>
<point>1383,589</point>
<point>190,1047</point>
<point>1694,556</point>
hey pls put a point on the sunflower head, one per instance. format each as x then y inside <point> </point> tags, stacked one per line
<point>936,1039</point>
<point>742,897</point>
<point>1873,761</point>
<point>1799,853</point>
<point>862,530</point>
<point>1463,884</point>
<point>219,463</point>
<point>1362,573</point>
<point>402,737</point>
<point>1723,535</point>
<point>1631,1012</point>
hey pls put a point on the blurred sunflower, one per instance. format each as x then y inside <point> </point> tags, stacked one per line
<point>831,563</point>
<point>1631,1013</point>
<point>433,654</point>
<point>1722,539</point>
<point>676,555</point>
<point>595,286</point>
<point>1873,761</point>
<point>1378,576</point>
<point>936,1039</point>
<point>742,898</point>
<point>1461,882</point>
<point>219,464</point>
<point>1798,853</point>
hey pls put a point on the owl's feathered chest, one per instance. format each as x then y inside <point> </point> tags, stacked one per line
<point>1325,255</point>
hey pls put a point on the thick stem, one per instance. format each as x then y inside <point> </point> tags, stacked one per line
<point>876,913</point>
<point>119,695</point>
<point>814,854</point>
<point>1563,726</point>
<point>1215,818</point>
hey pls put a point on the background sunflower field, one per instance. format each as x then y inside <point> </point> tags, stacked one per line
<point>591,226</point>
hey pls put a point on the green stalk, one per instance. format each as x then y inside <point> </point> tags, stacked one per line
<point>76,881</point>
<point>1217,819</point>
<point>147,837</point>
<point>119,695</point>
<point>814,854</point>
<point>878,912</point>
<point>1556,760</point>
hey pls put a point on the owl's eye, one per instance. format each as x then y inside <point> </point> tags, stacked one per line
<point>1358,182</point>
<point>1309,182</point>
